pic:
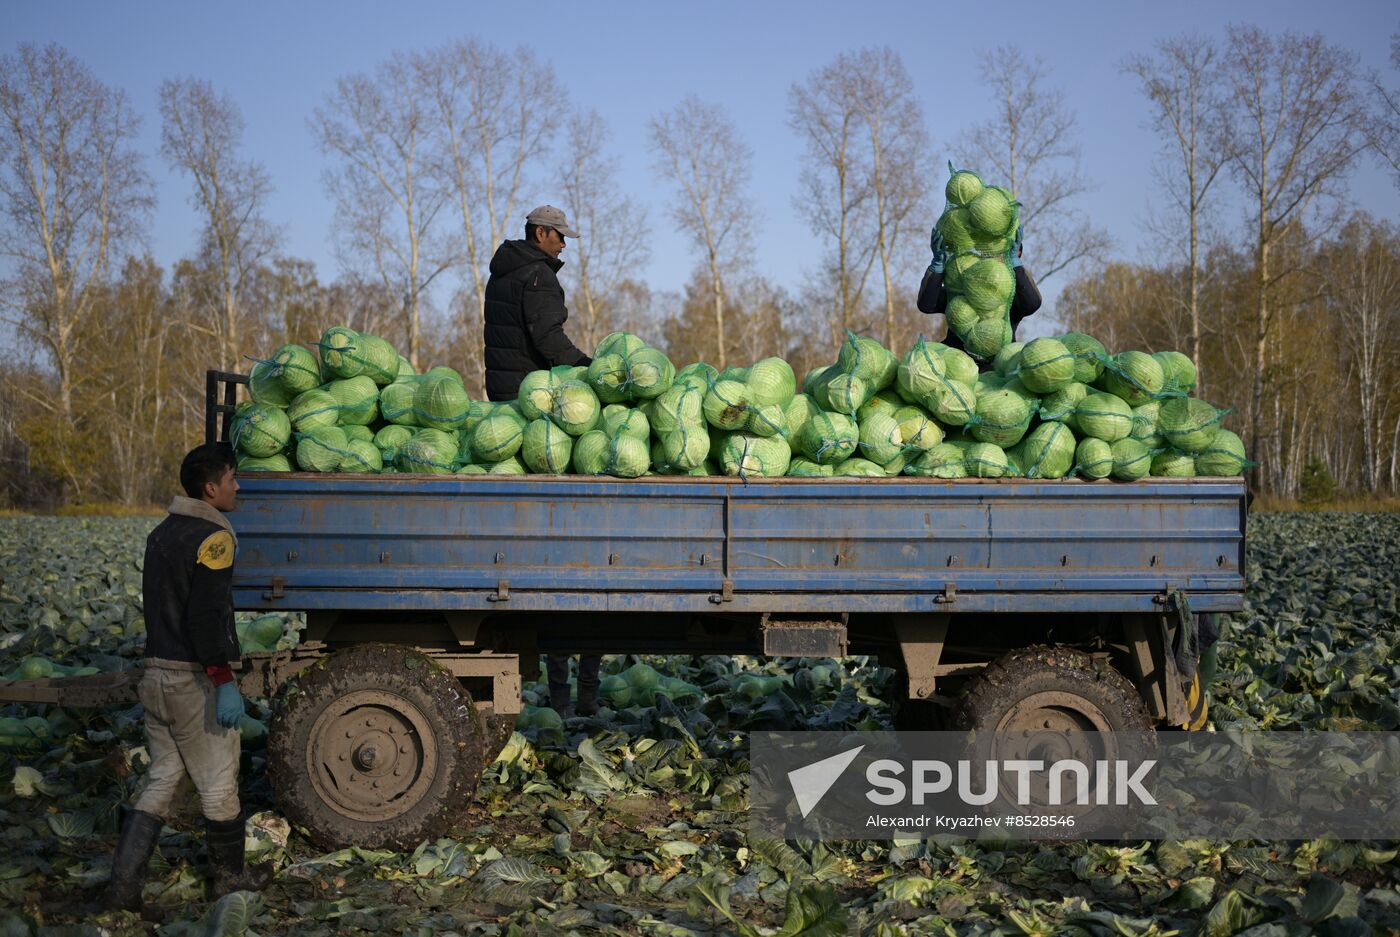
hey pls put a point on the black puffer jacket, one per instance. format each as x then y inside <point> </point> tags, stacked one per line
<point>187,581</point>
<point>525,316</point>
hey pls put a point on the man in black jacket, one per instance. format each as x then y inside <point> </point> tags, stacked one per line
<point>525,316</point>
<point>192,703</point>
<point>525,311</point>
<point>933,298</point>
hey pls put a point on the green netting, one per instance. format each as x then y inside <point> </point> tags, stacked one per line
<point>338,344</point>
<point>1179,371</point>
<point>546,449</point>
<point>313,409</point>
<point>867,359</point>
<point>1089,355</point>
<point>726,404</point>
<point>322,449</point>
<point>390,439</point>
<point>860,468</point>
<point>684,448</point>
<point>806,468</point>
<point>1093,458</point>
<point>272,463</point>
<point>681,404</point>
<point>828,438</point>
<point>944,460</point>
<point>264,386</point>
<point>767,420</point>
<point>921,372</point>
<point>357,399</point>
<point>1060,406</point>
<point>917,428</point>
<point>1002,418</point>
<point>1134,376</point>
<point>1104,416</point>
<point>744,454</point>
<point>296,369</point>
<point>985,460</point>
<point>1045,366</point>
<point>429,451</point>
<point>1225,456</point>
<point>1173,463</point>
<point>396,402</point>
<point>1131,460</point>
<point>1008,360</point>
<point>1048,451</point>
<point>1189,424</point>
<point>771,381</point>
<point>361,456</point>
<point>441,402</point>
<point>499,436</point>
<point>619,420</point>
<point>880,439</point>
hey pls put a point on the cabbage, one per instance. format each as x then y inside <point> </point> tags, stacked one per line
<point>619,420</point>
<point>772,381</point>
<point>917,428</point>
<point>649,373</point>
<point>681,405</point>
<point>1093,458</point>
<point>607,375</point>
<point>295,369</point>
<point>1224,457</point>
<point>868,360</point>
<point>804,468</point>
<point>406,369</point>
<point>846,393</point>
<point>272,463</point>
<point>261,430</point>
<point>1173,463</point>
<point>363,433</point>
<point>576,408</point>
<point>1189,424</point>
<point>896,465</point>
<point>1145,424</point>
<point>986,338</point>
<point>477,410</point>
<point>1046,366</point>
<point>499,436</point>
<point>390,440</point>
<point>985,460</point>
<point>744,454</point>
<point>1008,359</point>
<point>1060,405</point>
<point>1133,375</point>
<point>440,401</point>
<point>860,468</point>
<point>920,374</point>
<point>992,212</point>
<point>698,376</point>
<point>956,228</point>
<point>537,393</point>
<point>767,420</point>
<point>472,468</point>
<point>962,187</point>
<point>956,269</point>
<point>357,399</point>
<point>361,456</point>
<point>443,370</point>
<point>511,466</point>
<point>379,360</point>
<point>828,438</point>
<point>1103,416</point>
<point>1048,451</point>
<point>797,413</point>
<point>630,457</point>
<point>941,461</point>
<point>321,449</point>
<point>1178,370</point>
<point>546,449</point>
<point>1088,355</point>
<point>886,402</point>
<point>1131,460</point>
<point>684,449</point>
<point>958,365</point>
<point>338,347</point>
<point>592,452</point>
<point>430,451</point>
<point>313,409</point>
<point>880,439</point>
<point>1002,418</point>
<point>989,285</point>
<point>623,344</point>
<point>726,406</point>
<point>954,403</point>
<point>396,402</point>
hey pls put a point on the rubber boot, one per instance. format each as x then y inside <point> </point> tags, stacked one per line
<point>134,847</point>
<point>588,684</point>
<point>558,667</point>
<point>224,841</point>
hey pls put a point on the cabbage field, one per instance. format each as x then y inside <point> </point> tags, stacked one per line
<point>633,821</point>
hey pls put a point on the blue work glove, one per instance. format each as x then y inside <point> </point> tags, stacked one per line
<point>1016,253</point>
<point>940,252</point>
<point>228,705</point>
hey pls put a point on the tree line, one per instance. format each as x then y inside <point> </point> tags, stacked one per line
<point>1262,269</point>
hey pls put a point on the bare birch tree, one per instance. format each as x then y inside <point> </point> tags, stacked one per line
<point>1183,84</point>
<point>389,205</point>
<point>613,229</point>
<point>497,116</point>
<point>74,195</point>
<point>1383,126</point>
<point>1294,130</point>
<point>201,134</point>
<point>700,151</point>
<point>1030,144</point>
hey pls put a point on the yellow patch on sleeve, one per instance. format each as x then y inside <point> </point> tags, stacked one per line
<point>216,552</point>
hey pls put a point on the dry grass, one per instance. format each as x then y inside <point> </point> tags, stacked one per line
<point>109,509</point>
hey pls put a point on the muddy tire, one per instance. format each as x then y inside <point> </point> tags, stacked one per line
<point>375,746</point>
<point>498,730</point>
<point>1052,703</point>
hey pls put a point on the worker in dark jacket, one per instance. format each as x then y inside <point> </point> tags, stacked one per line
<point>525,316</point>
<point>933,298</point>
<point>192,703</point>
<point>525,311</point>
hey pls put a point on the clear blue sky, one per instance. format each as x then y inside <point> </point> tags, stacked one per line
<point>633,60</point>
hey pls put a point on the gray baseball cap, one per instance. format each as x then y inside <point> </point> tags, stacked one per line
<point>551,217</point>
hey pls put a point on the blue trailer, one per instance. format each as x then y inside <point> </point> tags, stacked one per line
<point>1010,605</point>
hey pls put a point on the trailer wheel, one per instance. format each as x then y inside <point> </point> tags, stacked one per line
<point>1052,703</point>
<point>375,746</point>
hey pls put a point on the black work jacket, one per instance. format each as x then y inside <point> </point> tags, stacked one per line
<point>525,316</point>
<point>188,586</point>
<point>933,300</point>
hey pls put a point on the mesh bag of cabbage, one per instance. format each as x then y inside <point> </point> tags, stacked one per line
<point>978,227</point>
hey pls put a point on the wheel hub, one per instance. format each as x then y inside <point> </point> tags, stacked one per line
<point>372,755</point>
